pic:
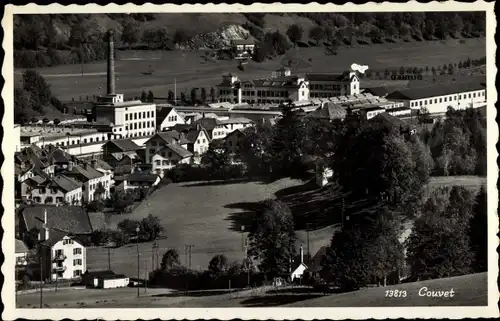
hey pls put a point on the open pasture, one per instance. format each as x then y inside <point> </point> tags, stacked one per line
<point>206,215</point>
<point>190,69</point>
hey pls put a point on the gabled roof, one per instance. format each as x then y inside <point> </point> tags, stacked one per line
<point>193,133</point>
<point>441,89</point>
<point>380,91</point>
<point>235,120</point>
<point>54,237</point>
<point>71,219</point>
<point>87,172</point>
<point>329,111</point>
<point>65,183</point>
<point>124,145</point>
<point>168,136</point>
<point>390,120</point>
<point>99,163</point>
<point>21,247</point>
<point>177,149</point>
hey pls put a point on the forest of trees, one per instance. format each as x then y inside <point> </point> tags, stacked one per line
<point>48,40</point>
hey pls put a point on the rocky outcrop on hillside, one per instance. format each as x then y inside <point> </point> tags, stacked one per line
<point>220,38</point>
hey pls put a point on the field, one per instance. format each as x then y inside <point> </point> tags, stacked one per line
<point>469,290</point>
<point>210,215</point>
<point>190,69</point>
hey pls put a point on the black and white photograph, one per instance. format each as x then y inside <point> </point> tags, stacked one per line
<point>231,156</point>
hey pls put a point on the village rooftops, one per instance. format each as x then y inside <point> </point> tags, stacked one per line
<point>436,90</point>
<point>65,183</point>
<point>70,219</point>
<point>142,177</point>
<point>125,144</point>
<point>86,171</point>
<point>177,149</point>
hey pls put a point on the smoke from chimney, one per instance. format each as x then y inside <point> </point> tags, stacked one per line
<point>111,63</point>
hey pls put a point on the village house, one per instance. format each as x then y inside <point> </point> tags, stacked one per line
<point>329,112</point>
<point>298,268</point>
<point>139,180</point>
<point>21,253</point>
<point>59,190</point>
<point>167,118</point>
<point>62,255</point>
<point>96,184</point>
<point>332,85</point>
<point>117,152</point>
<point>197,139</point>
<point>162,139</point>
<point>168,157</point>
<point>243,47</point>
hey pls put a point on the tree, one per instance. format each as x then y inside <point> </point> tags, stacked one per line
<point>170,97</point>
<point>119,238</point>
<point>193,96</point>
<point>170,260</point>
<point>430,29</point>
<point>375,160</point>
<point>183,98</point>
<point>294,33</point>
<point>317,33</point>
<point>451,69</point>
<point>180,37</point>
<point>433,71</point>
<point>478,232</point>
<point>216,159</point>
<point>23,106</point>
<point>151,97</point>
<point>212,94</point>
<point>203,95</point>
<point>438,246</point>
<point>423,115</point>
<point>36,85</point>
<point>272,238</point>
<point>288,142</point>
<point>255,148</point>
<point>149,37</point>
<point>130,33</point>
<point>151,227</point>
<point>129,226</point>
<point>364,251</point>
<point>218,265</point>
<point>144,96</point>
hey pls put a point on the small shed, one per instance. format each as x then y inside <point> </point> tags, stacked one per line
<point>104,279</point>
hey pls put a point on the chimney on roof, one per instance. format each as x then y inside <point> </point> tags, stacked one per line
<point>43,235</point>
<point>111,63</point>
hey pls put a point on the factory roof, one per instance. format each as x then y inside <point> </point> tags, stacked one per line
<point>21,247</point>
<point>329,111</point>
<point>55,132</point>
<point>436,90</point>
<point>327,77</point>
<point>242,42</point>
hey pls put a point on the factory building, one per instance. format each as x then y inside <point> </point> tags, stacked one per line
<point>437,98</point>
<point>127,119</point>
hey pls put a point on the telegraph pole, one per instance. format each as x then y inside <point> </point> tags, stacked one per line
<point>109,258</point>
<point>145,275</point>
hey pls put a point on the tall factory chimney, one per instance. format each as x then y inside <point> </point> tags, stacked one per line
<point>111,64</point>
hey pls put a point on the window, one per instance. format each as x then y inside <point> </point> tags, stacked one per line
<point>53,191</point>
<point>77,262</point>
<point>474,95</point>
<point>67,241</point>
<point>169,154</point>
<point>440,100</point>
<point>77,251</point>
<point>126,116</point>
<point>444,99</point>
<point>143,114</point>
<point>59,199</point>
<point>435,101</point>
<point>20,260</point>
<point>77,273</point>
<point>158,162</point>
<point>42,190</point>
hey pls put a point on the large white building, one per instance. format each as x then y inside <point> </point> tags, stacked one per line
<point>437,98</point>
<point>283,87</point>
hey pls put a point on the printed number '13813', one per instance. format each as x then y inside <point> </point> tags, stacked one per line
<point>395,294</point>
